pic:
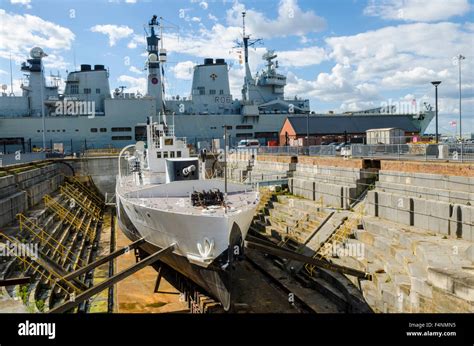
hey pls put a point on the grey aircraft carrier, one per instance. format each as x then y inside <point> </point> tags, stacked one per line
<point>89,114</point>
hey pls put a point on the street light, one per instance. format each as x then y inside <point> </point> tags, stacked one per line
<point>436,83</point>
<point>459,58</point>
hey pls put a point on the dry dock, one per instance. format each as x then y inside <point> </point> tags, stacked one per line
<point>409,224</point>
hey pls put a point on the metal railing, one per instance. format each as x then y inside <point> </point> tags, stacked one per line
<point>447,152</point>
<point>461,152</point>
<point>313,150</point>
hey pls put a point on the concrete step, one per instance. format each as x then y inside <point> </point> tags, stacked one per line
<point>428,180</point>
<point>409,237</point>
<point>327,230</point>
<point>444,218</point>
<point>425,192</point>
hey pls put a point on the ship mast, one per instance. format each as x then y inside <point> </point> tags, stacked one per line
<point>247,42</point>
<point>156,56</point>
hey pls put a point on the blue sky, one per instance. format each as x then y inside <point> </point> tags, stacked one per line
<point>342,55</point>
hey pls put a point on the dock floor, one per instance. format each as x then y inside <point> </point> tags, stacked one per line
<point>135,293</point>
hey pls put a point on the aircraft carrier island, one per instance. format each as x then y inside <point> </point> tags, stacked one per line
<point>113,202</point>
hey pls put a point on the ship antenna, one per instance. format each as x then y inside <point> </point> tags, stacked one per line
<point>161,32</point>
<point>247,42</point>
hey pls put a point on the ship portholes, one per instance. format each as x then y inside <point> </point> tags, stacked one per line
<point>206,248</point>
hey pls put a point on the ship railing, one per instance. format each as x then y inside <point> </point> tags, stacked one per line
<point>169,131</point>
<point>124,169</point>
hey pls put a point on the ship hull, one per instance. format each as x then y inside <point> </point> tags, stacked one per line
<point>217,282</point>
<point>212,272</point>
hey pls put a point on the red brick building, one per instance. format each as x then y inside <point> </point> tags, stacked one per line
<point>339,128</point>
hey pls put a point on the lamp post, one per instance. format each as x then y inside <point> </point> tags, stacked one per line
<point>459,58</point>
<point>225,164</point>
<point>43,121</point>
<point>436,83</point>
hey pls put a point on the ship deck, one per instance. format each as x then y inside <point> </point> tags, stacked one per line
<point>235,203</point>
<point>177,198</point>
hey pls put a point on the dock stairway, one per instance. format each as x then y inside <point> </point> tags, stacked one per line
<point>294,232</point>
<point>65,232</point>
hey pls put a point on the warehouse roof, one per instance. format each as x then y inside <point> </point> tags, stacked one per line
<point>338,124</point>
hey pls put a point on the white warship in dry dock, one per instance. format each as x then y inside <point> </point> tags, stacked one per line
<point>163,197</point>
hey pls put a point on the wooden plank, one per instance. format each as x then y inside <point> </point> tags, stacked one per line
<point>277,251</point>
<point>103,260</point>
<point>15,281</point>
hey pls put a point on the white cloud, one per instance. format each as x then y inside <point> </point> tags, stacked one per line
<point>30,31</point>
<point>417,10</point>
<point>291,20</point>
<point>330,87</point>
<point>196,19</point>
<point>135,70</point>
<point>114,32</point>
<point>222,39</point>
<point>137,40</point>
<point>212,17</point>
<point>17,84</point>
<point>415,76</point>
<point>204,5</point>
<point>183,70</point>
<point>236,78</point>
<point>55,62</point>
<point>133,84</point>
<point>25,3</point>
<point>370,66</point>
<point>383,53</point>
<point>302,57</point>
